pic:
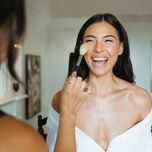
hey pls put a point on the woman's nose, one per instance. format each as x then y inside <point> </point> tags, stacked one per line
<point>99,47</point>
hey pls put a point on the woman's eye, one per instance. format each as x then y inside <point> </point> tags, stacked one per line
<point>108,40</point>
<point>88,40</point>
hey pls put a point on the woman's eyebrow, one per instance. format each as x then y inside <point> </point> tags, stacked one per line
<point>106,36</point>
<point>90,36</point>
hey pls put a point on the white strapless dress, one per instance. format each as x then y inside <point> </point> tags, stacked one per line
<point>136,139</point>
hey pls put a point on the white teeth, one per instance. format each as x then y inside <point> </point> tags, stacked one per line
<point>100,59</point>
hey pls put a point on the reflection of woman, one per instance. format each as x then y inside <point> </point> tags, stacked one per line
<point>16,136</point>
<point>105,111</point>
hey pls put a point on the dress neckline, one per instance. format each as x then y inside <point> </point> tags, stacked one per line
<point>137,126</point>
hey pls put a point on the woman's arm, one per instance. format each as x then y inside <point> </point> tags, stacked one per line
<point>66,135</point>
<point>17,136</point>
<point>69,100</point>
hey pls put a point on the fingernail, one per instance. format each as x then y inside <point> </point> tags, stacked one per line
<point>74,73</point>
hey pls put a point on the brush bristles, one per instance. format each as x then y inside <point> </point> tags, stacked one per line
<point>83,49</point>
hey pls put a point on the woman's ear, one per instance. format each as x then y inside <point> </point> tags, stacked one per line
<point>121,48</point>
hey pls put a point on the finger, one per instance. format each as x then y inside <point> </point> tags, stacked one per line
<point>83,85</point>
<point>78,82</point>
<point>71,79</point>
<point>74,74</point>
<point>69,84</point>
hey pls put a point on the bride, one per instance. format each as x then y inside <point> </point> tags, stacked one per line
<point>99,107</point>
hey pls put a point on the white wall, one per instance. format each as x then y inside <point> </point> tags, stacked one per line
<point>36,42</point>
<point>140,36</point>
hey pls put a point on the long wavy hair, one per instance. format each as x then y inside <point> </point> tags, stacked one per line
<point>12,15</point>
<point>123,67</point>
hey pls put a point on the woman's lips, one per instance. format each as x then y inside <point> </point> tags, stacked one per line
<point>99,61</point>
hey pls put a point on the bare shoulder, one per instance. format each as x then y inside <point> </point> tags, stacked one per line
<point>55,101</point>
<point>18,136</point>
<point>141,98</point>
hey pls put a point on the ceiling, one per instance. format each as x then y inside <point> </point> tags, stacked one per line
<point>87,8</point>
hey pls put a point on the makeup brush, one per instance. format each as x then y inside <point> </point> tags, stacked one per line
<point>83,50</point>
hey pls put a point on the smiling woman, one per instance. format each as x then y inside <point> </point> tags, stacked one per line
<point>114,114</point>
<point>105,47</point>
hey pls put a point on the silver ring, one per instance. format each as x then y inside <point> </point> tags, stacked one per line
<point>84,89</point>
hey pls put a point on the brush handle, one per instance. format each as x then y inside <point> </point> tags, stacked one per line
<point>79,60</point>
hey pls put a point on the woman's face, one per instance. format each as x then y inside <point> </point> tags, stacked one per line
<point>104,47</point>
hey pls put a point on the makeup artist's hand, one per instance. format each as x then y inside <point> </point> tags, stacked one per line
<point>73,94</point>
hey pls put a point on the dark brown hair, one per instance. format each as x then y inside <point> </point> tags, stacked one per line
<point>12,14</point>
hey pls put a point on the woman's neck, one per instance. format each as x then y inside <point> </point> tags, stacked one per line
<point>103,84</point>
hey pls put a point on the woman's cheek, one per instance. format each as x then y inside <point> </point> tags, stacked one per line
<point>112,51</point>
